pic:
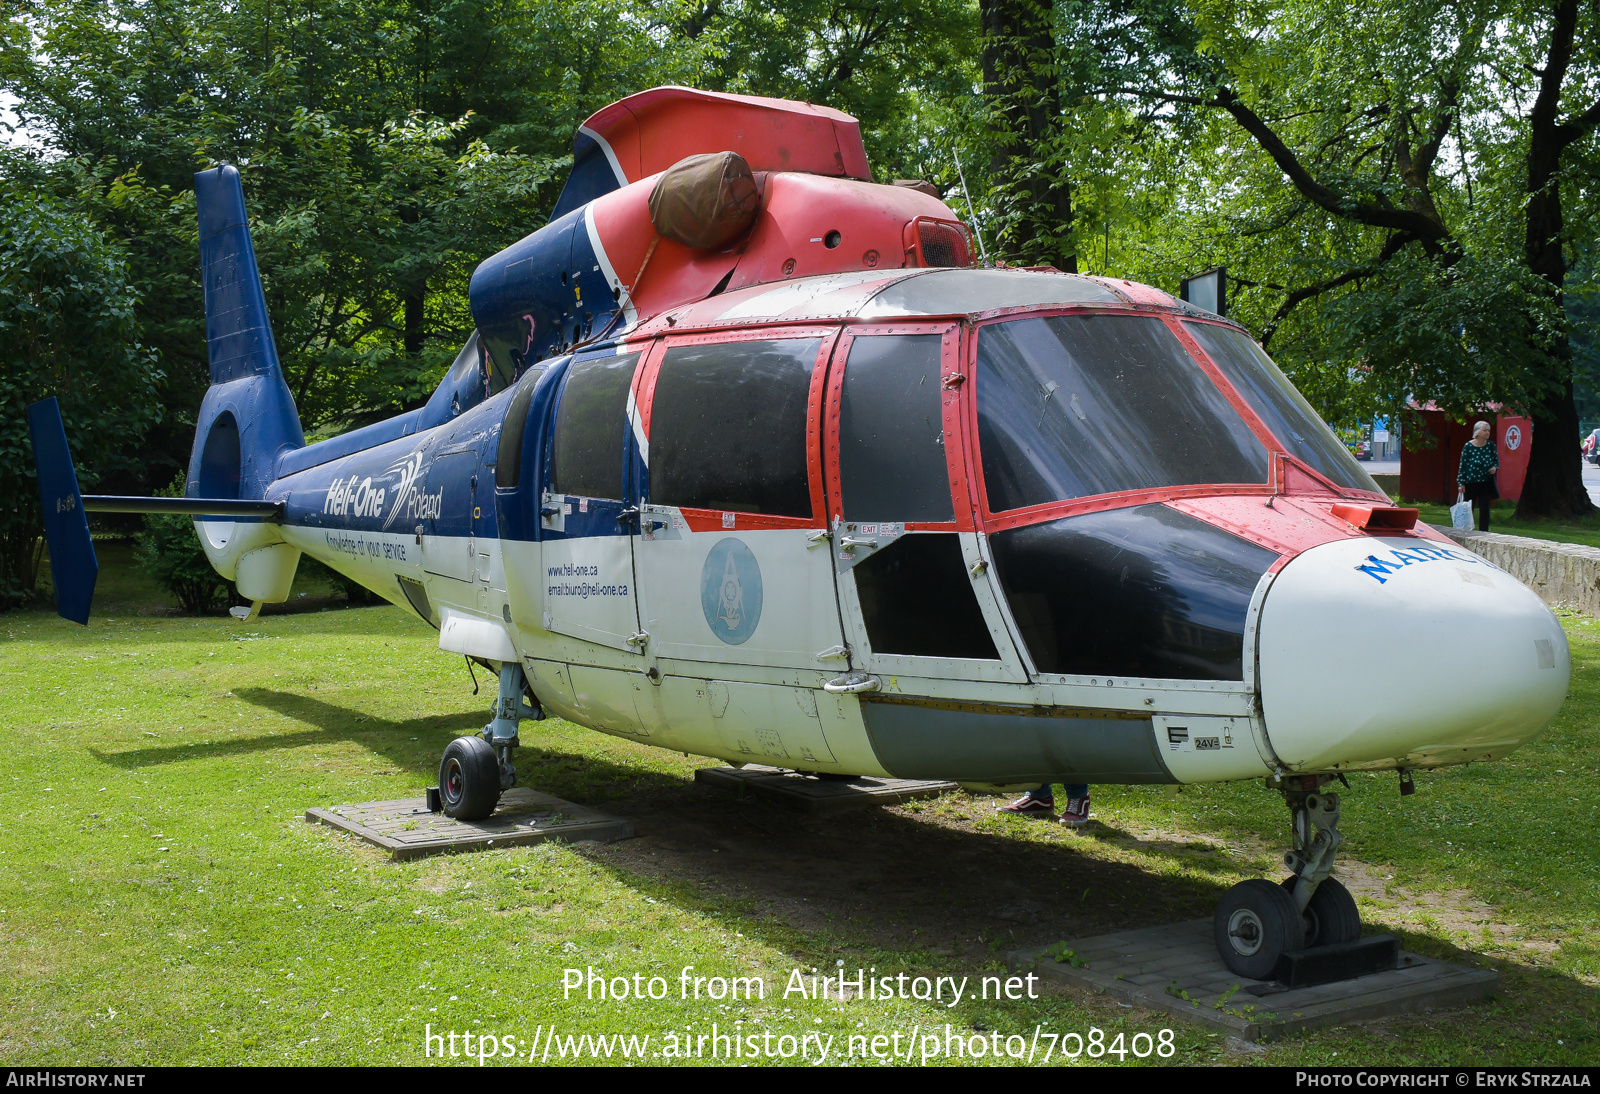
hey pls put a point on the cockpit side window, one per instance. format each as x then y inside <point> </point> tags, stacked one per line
<point>1071,406</point>
<point>1280,406</point>
<point>891,431</point>
<point>728,427</point>
<point>592,428</point>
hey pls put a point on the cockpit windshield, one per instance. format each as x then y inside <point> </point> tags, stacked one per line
<point>1071,406</point>
<point>1283,409</point>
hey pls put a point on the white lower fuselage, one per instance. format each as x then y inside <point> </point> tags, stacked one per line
<point>1341,672</point>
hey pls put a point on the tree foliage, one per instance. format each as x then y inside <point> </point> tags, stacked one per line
<point>1386,180</point>
<point>1399,187</point>
<point>170,553</point>
<point>67,329</point>
<point>388,146</point>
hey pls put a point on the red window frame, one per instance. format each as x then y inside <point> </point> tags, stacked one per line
<point>950,414</point>
<point>1033,514</point>
<point>708,520</point>
<point>1280,454</point>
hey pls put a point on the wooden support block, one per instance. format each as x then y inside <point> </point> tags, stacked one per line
<point>819,796</point>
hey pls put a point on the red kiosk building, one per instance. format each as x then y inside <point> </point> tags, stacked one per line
<point>1429,474</point>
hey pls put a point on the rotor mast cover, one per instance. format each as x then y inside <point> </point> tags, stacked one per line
<point>676,195</point>
<point>647,133</point>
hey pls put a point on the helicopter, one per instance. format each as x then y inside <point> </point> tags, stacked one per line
<point>748,457</point>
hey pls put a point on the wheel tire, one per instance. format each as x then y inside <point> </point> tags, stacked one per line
<point>1256,922</point>
<point>1332,916</point>
<point>469,779</point>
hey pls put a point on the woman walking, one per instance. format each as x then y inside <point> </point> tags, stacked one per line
<point>1479,461</point>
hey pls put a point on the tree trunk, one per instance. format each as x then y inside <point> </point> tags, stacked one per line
<point>1022,82</point>
<point>414,329</point>
<point>1554,485</point>
<point>19,562</point>
<point>413,298</point>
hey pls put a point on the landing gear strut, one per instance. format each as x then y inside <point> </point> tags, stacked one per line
<point>1257,922</point>
<point>475,770</point>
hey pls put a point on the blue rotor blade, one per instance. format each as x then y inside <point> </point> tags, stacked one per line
<point>73,567</point>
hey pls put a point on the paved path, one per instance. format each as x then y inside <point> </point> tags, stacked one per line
<point>1591,480</point>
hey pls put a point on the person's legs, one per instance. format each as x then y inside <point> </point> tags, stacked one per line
<point>1483,503</point>
<point>1076,814</point>
<point>1034,803</point>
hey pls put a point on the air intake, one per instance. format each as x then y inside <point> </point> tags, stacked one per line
<point>937,243</point>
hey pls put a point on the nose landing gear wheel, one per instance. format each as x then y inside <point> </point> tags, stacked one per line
<point>469,779</point>
<point>1256,922</point>
<point>1332,916</point>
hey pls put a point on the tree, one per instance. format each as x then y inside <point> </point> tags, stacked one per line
<point>1564,112</point>
<point>1417,178</point>
<point>170,553</point>
<point>1031,192</point>
<point>67,329</point>
<point>897,65</point>
<point>386,147</point>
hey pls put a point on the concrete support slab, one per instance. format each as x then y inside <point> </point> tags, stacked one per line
<point>1176,969</point>
<point>819,796</point>
<point>407,830</point>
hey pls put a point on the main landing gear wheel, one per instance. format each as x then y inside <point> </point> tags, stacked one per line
<point>1332,916</point>
<point>1256,923</point>
<point>469,779</point>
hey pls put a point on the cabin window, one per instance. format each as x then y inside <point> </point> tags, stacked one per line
<point>1300,430</point>
<point>1140,592</point>
<point>728,427</point>
<point>508,460</point>
<point>891,433</point>
<point>1071,406</point>
<point>592,428</point>
<point>917,600</point>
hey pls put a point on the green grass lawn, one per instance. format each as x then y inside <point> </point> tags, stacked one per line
<point>1502,519</point>
<point>166,902</point>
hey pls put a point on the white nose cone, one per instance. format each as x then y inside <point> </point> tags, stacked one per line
<point>1378,653</point>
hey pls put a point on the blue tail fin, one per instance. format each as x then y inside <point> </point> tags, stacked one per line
<point>248,419</point>
<point>73,566</point>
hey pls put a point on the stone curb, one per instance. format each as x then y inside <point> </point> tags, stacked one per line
<point>1565,575</point>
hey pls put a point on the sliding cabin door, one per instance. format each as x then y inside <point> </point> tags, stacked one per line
<point>731,544</point>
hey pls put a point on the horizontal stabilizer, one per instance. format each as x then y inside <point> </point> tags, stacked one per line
<point>193,507</point>
<point>73,566</point>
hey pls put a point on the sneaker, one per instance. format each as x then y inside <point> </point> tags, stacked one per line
<point>1030,806</point>
<point>1076,814</point>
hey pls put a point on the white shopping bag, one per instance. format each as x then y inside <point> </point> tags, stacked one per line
<point>1461,515</point>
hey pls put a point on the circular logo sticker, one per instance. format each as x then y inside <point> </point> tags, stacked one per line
<point>730,591</point>
<point>1513,437</point>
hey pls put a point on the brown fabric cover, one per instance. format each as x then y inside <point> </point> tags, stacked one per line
<point>919,186</point>
<point>706,201</point>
